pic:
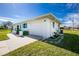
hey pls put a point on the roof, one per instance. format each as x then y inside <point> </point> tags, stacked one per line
<point>49,15</point>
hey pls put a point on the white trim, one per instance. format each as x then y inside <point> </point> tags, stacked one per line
<point>42,16</point>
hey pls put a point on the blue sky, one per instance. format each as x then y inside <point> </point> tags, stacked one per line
<point>20,11</point>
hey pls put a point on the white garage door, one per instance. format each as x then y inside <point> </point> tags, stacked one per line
<point>36,29</point>
<point>39,28</point>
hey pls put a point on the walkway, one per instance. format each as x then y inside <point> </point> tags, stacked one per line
<point>13,43</point>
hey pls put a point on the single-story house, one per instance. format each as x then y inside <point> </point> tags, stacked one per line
<point>44,26</point>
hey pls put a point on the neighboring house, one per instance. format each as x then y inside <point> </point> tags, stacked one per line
<point>8,24</point>
<point>71,28</point>
<point>43,26</point>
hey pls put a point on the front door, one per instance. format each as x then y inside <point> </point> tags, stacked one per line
<point>17,32</point>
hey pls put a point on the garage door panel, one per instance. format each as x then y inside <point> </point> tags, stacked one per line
<point>36,29</point>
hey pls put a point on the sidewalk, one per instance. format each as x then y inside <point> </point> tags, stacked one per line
<point>13,43</point>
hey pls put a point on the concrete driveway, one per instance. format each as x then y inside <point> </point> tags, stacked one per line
<point>13,43</point>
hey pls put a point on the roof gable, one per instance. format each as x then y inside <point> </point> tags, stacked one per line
<point>49,15</point>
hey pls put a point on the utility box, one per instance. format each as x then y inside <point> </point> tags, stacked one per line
<point>20,33</point>
<point>14,32</point>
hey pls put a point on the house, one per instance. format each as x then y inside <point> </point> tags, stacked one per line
<point>44,26</point>
<point>71,27</point>
<point>7,24</point>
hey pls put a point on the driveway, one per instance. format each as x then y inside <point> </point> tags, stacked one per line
<point>14,42</point>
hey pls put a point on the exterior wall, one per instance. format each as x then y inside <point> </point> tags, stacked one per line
<point>14,29</point>
<point>41,27</point>
<point>55,28</point>
<point>20,27</point>
<point>24,29</point>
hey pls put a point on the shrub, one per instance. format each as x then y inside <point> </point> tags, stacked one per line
<point>25,33</point>
<point>56,35</point>
<point>17,31</point>
<point>61,27</point>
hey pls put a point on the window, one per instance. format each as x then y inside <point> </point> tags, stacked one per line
<point>53,24</point>
<point>24,25</point>
<point>44,20</point>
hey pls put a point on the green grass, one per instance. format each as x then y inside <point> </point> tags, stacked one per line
<point>71,35</point>
<point>71,40</point>
<point>40,49</point>
<point>68,47</point>
<point>3,34</point>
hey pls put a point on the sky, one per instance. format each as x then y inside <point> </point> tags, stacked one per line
<point>16,12</point>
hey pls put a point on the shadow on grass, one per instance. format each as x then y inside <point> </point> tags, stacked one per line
<point>70,42</point>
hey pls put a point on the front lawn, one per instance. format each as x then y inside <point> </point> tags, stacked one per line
<point>3,34</point>
<point>71,41</point>
<point>40,49</point>
<point>68,47</point>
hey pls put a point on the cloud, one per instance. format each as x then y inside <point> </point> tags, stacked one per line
<point>71,5</point>
<point>5,19</point>
<point>68,20</point>
<point>17,16</point>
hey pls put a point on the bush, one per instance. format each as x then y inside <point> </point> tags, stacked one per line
<point>25,33</point>
<point>17,31</point>
<point>61,27</point>
<point>56,35</point>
